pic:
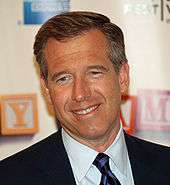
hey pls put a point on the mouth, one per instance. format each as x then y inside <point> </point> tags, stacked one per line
<point>86,111</point>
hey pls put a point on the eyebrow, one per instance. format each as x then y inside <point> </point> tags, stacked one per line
<point>98,67</point>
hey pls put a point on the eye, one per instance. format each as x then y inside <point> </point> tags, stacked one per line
<point>63,79</point>
<point>95,73</point>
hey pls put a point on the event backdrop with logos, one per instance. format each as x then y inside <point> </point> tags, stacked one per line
<point>146,26</point>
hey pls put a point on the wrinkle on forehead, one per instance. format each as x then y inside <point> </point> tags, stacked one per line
<point>74,45</point>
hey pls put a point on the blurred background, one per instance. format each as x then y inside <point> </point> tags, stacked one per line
<point>146,27</point>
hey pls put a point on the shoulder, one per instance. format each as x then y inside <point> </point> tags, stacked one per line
<point>36,150</point>
<point>38,159</point>
<point>137,143</point>
<point>42,163</point>
<point>148,153</point>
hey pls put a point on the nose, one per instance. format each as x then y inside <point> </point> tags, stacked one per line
<point>81,90</point>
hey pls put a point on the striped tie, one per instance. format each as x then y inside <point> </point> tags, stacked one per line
<point>102,163</point>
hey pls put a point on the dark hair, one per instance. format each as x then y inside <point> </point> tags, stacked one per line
<point>70,24</point>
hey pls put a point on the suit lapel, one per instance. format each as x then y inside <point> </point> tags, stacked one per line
<point>141,167</point>
<point>55,166</point>
<point>142,174</point>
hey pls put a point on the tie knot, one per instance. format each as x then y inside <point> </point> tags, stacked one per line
<point>102,163</point>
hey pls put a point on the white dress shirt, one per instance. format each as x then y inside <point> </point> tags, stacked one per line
<point>81,158</point>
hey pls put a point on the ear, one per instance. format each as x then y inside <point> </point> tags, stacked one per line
<point>124,78</point>
<point>45,90</point>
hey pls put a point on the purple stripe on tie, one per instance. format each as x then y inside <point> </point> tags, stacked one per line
<point>102,163</point>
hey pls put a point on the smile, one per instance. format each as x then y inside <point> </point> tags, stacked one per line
<point>86,111</point>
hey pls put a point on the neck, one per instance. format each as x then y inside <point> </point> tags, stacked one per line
<point>102,143</point>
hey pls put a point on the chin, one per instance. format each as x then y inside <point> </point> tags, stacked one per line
<point>93,135</point>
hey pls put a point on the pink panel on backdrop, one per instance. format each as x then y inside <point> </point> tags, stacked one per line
<point>153,110</point>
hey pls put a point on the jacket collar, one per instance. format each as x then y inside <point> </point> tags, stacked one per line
<point>143,164</point>
<point>55,166</point>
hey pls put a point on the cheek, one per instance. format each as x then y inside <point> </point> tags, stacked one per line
<point>110,88</point>
<point>112,94</point>
<point>114,97</point>
<point>59,99</point>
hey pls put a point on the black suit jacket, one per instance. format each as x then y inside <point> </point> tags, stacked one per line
<point>47,163</point>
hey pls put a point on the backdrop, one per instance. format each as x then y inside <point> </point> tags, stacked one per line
<point>146,26</point>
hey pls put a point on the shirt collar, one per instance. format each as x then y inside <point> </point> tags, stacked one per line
<point>81,156</point>
<point>118,152</point>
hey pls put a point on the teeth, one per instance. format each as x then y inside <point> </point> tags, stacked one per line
<point>86,111</point>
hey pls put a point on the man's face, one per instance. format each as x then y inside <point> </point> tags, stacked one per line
<point>84,87</point>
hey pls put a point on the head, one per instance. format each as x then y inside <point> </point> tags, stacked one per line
<point>84,70</point>
<point>71,24</point>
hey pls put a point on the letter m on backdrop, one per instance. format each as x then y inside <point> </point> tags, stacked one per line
<point>153,110</point>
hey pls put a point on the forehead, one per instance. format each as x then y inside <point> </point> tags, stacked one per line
<point>92,41</point>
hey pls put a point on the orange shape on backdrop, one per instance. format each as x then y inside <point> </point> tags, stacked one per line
<point>128,116</point>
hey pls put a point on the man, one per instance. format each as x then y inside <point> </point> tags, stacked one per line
<point>84,72</point>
